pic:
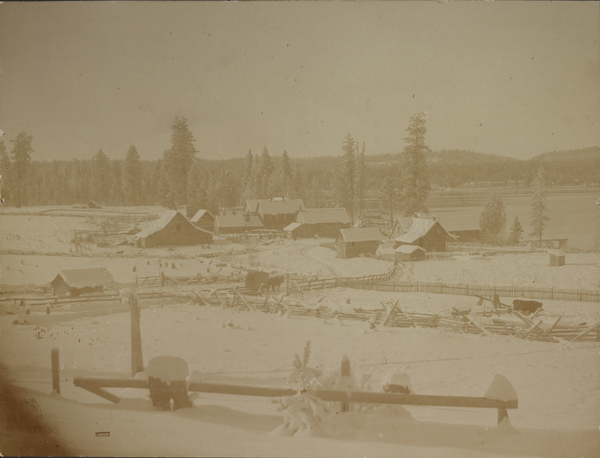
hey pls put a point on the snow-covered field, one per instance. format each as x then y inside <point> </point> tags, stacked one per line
<point>558,385</point>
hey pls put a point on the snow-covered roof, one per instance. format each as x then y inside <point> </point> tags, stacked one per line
<point>290,227</point>
<point>199,214</point>
<point>409,249</point>
<point>361,234</point>
<point>557,252</point>
<point>323,215</point>
<point>80,278</point>
<point>419,228</point>
<point>158,224</point>
<point>231,221</point>
<point>254,222</point>
<point>278,207</point>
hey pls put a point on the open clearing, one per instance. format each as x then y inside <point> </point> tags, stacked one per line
<point>558,384</point>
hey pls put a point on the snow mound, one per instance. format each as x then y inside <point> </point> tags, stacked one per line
<point>501,390</point>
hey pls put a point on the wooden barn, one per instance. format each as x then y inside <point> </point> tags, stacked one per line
<point>230,224</point>
<point>80,281</point>
<point>356,241</point>
<point>427,233</point>
<point>204,220</point>
<point>278,213</point>
<point>172,228</point>
<point>253,222</point>
<point>410,253</point>
<point>322,222</point>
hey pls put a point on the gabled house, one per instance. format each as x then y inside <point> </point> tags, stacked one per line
<point>323,222</point>
<point>353,242</point>
<point>410,253</point>
<point>253,222</point>
<point>204,220</point>
<point>277,214</point>
<point>74,282</point>
<point>230,224</point>
<point>172,228</point>
<point>427,233</point>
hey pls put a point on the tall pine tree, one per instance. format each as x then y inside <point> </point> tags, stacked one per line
<point>20,167</point>
<point>345,179</point>
<point>493,219</point>
<point>101,178</point>
<point>132,176</point>
<point>415,169</point>
<point>539,210</point>
<point>177,162</point>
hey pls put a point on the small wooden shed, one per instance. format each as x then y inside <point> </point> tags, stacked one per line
<point>427,233</point>
<point>557,258</point>
<point>410,253</point>
<point>353,242</point>
<point>74,282</point>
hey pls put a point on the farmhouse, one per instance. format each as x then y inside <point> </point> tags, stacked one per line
<point>230,224</point>
<point>277,214</point>
<point>80,281</point>
<point>324,222</point>
<point>204,220</point>
<point>410,253</point>
<point>427,233</point>
<point>356,241</point>
<point>253,222</point>
<point>172,228</point>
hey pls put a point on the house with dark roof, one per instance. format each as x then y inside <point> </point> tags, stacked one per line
<point>322,222</point>
<point>278,213</point>
<point>80,281</point>
<point>230,224</point>
<point>172,228</point>
<point>204,220</point>
<point>426,232</point>
<point>353,242</point>
<point>253,222</point>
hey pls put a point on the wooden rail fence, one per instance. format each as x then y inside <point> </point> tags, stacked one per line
<point>381,283</point>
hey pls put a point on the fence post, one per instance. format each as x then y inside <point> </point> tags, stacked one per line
<point>162,278</point>
<point>288,284</point>
<point>55,370</point>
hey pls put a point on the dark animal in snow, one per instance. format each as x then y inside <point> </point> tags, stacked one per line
<point>526,307</point>
<point>275,283</point>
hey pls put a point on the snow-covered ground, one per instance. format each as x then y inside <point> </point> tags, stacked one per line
<point>558,385</point>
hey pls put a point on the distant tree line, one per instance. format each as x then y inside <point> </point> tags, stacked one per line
<point>352,179</point>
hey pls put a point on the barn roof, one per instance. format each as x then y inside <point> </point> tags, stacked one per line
<point>361,234</point>
<point>254,222</point>
<point>80,278</point>
<point>419,228</point>
<point>409,249</point>
<point>231,221</point>
<point>278,207</point>
<point>158,224</point>
<point>199,214</point>
<point>162,222</point>
<point>251,205</point>
<point>292,226</point>
<point>323,215</point>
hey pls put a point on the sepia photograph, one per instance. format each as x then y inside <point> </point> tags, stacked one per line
<point>300,229</point>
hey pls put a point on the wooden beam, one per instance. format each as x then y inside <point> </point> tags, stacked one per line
<point>478,326</point>
<point>533,328</point>
<point>326,395</point>
<point>389,314</point>
<point>586,331</point>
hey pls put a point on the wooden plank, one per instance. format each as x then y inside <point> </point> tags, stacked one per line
<point>523,318</point>
<point>477,325</point>
<point>532,329</point>
<point>326,395</point>
<point>389,313</point>
<point>252,308</point>
<point>100,392</point>
<point>586,331</point>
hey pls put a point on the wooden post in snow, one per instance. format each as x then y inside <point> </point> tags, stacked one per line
<point>55,370</point>
<point>137,360</point>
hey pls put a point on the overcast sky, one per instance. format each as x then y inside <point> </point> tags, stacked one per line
<point>515,79</point>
